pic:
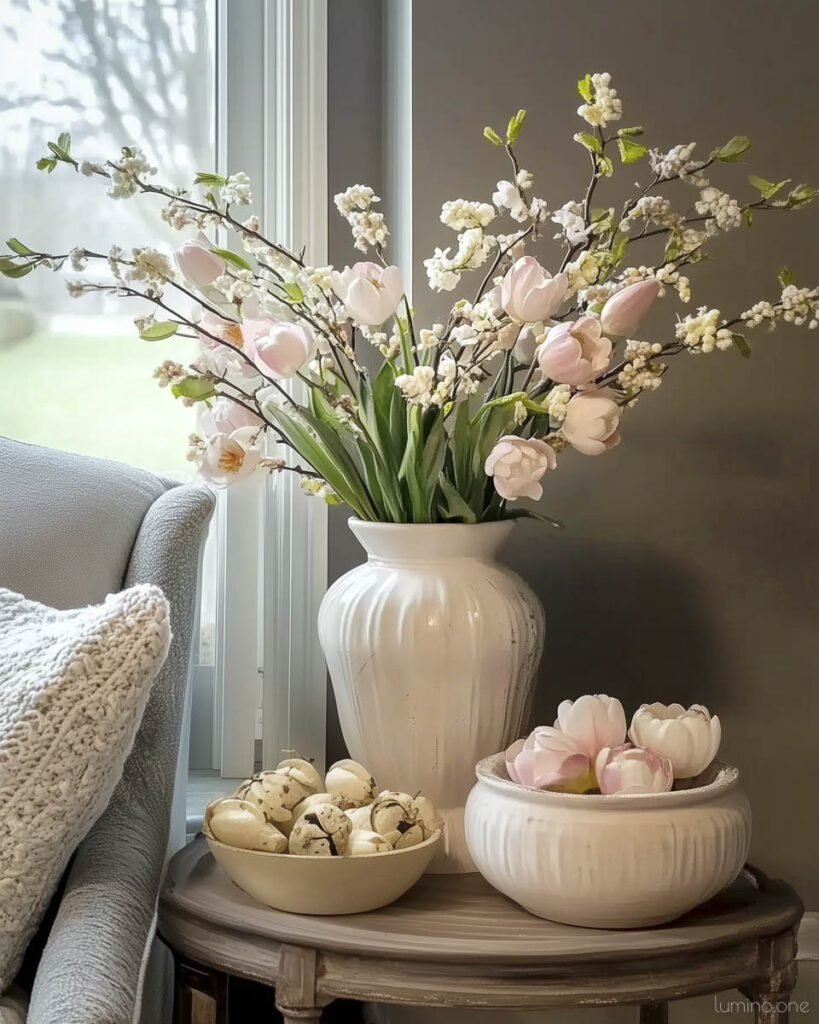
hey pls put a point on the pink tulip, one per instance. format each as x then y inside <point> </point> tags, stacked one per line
<point>549,759</point>
<point>574,353</point>
<point>224,416</point>
<point>591,422</point>
<point>283,350</point>
<point>229,457</point>
<point>198,262</point>
<point>529,293</point>
<point>370,293</point>
<point>623,312</point>
<point>593,722</point>
<point>628,769</point>
<point>517,464</point>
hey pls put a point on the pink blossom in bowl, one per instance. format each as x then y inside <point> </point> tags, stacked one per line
<point>549,759</point>
<point>628,769</point>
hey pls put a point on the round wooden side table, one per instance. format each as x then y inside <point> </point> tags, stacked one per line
<point>455,941</point>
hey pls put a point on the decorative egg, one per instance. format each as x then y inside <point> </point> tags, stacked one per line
<point>313,800</point>
<point>360,816</point>
<point>363,841</point>
<point>300,771</point>
<point>351,782</point>
<point>322,831</point>
<point>395,817</point>
<point>427,815</point>
<point>275,794</point>
<point>240,823</point>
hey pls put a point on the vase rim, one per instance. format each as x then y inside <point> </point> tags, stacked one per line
<point>723,778</point>
<point>390,542</point>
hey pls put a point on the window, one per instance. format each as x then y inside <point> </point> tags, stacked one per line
<point>73,373</point>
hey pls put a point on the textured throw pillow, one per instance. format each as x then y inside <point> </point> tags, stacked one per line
<point>73,686</point>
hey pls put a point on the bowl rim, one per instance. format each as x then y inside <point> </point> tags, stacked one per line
<point>434,838</point>
<point>492,771</point>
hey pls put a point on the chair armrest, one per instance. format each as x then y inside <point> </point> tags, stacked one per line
<point>92,967</point>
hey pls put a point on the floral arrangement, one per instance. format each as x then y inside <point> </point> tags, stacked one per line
<point>286,811</point>
<point>462,417</point>
<point>586,749</point>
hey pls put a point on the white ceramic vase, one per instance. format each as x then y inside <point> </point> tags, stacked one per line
<point>432,648</point>
<point>622,861</point>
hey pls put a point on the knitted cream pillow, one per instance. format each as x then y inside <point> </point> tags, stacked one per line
<point>73,686</point>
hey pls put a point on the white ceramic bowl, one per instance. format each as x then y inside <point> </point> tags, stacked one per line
<point>324,885</point>
<point>608,861</point>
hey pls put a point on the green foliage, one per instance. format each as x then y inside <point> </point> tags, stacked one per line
<point>10,269</point>
<point>292,291</point>
<point>591,142</point>
<point>231,257</point>
<point>785,276</point>
<point>197,389</point>
<point>801,196</point>
<point>630,152</point>
<point>586,89</point>
<point>767,189</point>
<point>733,149</point>
<point>158,331</point>
<point>492,135</point>
<point>17,246</point>
<point>742,345</point>
<point>454,506</point>
<point>630,132</point>
<point>514,127</point>
<point>605,166</point>
<point>206,178</point>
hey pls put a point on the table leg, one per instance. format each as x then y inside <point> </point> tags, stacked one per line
<point>771,996</point>
<point>654,1013</point>
<point>296,1016</point>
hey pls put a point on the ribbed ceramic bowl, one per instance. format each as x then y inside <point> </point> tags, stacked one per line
<point>608,861</point>
<point>324,885</point>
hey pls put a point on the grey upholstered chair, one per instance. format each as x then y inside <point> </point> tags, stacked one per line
<point>73,529</point>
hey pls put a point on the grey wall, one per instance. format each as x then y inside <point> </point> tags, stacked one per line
<point>688,570</point>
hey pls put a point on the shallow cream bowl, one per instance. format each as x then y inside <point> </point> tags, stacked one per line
<point>625,861</point>
<point>324,885</point>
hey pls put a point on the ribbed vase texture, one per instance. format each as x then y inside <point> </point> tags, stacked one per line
<point>432,648</point>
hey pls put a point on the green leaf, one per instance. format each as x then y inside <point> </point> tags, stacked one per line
<point>748,215</point>
<point>631,131</point>
<point>618,250</point>
<point>742,345</point>
<point>801,195</point>
<point>18,271</point>
<point>456,507</point>
<point>293,291</point>
<point>527,513</point>
<point>206,178</point>
<point>61,153</point>
<point>64,141</point>
<point>410,469</point>
<point>605,166</point>
<point>199,389</point>
<point>586,89</point>
<point>320,446</point>
<point>514,127</point>
<point>17,246</point>
<point>630,152</point>
<point>232,257</point>
<point>768,189</point>
<point>492,135</point>
<point>785,276</point>
<point>733,149</point>
<point>591,142</point>
<point>158,331</point>
<point>46,163</point>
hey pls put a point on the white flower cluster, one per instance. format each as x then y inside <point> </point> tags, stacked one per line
<point>508,195</point>
<point>368,227</point>
<point>237,190</point>
<point>236,286</point>
<point>605,105</point>
<point>677,162</point>
<point>151,266</point>
<point>558,403</point>
<point>77,259</point>
<point>796,306</point>
<point>656,209</point>
<point>460,214</point>
<point>702,333</point>
<point>168,372</point>
<point>180,216</point>
<point>444,271</point>
<point>570,219</point>
<point>724,212</point>
<point>132,164</point>
<point>430,337</point>
<point>426,386</point>
<point>582,273</point>
<point>668,277</point>
<point>641,372</point>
